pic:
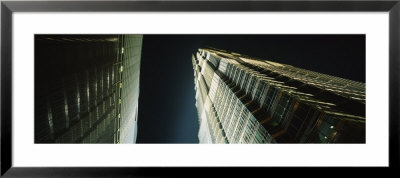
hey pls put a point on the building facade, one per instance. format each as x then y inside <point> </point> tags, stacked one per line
<point>86,88</point>
<point>241,99</point>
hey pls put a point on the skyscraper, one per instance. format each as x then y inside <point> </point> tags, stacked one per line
<point>86,88</point>
<point>241,99</point>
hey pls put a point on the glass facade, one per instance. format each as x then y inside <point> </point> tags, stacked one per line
<point>241,99</point>
<point>86,88</point>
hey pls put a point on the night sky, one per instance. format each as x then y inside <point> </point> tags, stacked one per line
<point>167,112</point>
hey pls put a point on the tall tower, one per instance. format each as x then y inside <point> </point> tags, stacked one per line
<point>241,99</point>
<point>86,88</point>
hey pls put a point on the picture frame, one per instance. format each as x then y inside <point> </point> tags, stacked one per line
<point>8,7</point>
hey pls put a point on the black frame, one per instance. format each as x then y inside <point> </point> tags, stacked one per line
<point>8,7</point>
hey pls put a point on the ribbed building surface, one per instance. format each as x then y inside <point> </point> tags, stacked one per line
<point>86,88</point>
<point>246,100</point>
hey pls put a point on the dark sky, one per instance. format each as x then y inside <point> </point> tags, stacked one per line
<point>167,112</point>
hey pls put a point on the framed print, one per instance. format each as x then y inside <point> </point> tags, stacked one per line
<point>317,79</point>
